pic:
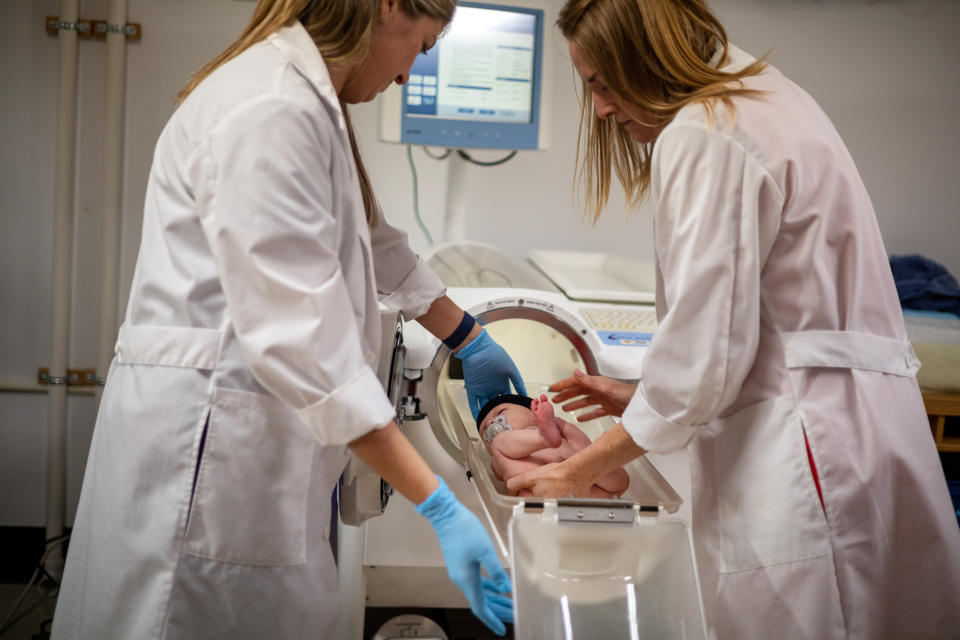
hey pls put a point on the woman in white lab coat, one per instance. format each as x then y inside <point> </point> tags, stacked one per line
<point>244,371</point>
<point>781,361</point>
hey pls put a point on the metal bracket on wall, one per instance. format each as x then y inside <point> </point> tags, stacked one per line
<point>82,27</point>
<point>131,29</point>
<point>74,377</point>
<point>93,28</point>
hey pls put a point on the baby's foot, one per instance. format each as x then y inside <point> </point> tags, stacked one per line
<point>549,428</point>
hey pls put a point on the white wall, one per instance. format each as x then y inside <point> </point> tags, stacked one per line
<point>887,72</point>
<point>178,37</point>
<point>884,70</point>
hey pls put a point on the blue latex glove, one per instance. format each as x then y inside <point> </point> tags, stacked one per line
<point>501,605</point>
<point>467,549</point>
<point>487,371</point>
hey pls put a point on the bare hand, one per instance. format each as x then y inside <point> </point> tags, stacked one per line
<point>548,481</point>
<point>611,395</point>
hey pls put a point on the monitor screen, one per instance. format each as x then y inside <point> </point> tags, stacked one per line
<point>480,86</point>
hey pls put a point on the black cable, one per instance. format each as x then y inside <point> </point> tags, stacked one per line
<point>46,628</point>
<point>466,156</point>
<point>53,543</point>
<point>45,574</point>
<point>444,156</point>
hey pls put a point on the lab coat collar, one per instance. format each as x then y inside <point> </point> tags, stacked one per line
<point>736,60</point>
<point>298,47</point>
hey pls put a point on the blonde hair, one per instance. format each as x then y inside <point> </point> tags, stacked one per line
<point>342,31</point>
<point>652,54</point>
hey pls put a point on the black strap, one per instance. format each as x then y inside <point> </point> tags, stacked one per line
<point>461,332</point>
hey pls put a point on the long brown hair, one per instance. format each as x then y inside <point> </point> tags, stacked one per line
<point>655,55</point>
<point>342,31</point>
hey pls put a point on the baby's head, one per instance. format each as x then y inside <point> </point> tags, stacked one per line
<point>502,413</point>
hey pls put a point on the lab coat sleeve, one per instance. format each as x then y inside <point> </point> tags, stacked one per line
<point>404,282</point>
<point>265,191</point>
<point>710,194</point>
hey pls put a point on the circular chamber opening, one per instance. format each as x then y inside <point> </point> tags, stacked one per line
<point>410,626</point>
<point>544,349</point>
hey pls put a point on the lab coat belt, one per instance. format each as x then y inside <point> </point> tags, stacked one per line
<point>191,347</point>
<point>850,350</point>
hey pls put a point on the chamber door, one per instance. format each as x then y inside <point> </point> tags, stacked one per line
<point>363,494</point>
<point>595,569</point>
<point>394,383</point>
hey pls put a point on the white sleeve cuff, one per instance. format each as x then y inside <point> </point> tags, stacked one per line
<point>416,293</point>
<point>353,409</point>
<point>652,431</point>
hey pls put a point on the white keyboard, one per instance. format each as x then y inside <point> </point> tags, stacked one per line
<point>610,319</point>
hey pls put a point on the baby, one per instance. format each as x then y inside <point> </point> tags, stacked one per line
<point>522,433</point>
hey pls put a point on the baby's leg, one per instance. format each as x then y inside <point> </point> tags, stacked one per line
<point>597,492</point>
<point>547,422</point>
<point>616,481</point>
<point>510,468</point>
<point>613,483</point>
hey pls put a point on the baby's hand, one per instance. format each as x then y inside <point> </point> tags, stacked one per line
<point>549,428</point>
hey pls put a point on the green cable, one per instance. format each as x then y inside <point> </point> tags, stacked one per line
<point>416,196</point>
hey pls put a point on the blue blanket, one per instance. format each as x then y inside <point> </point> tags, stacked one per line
<point>924,284</point>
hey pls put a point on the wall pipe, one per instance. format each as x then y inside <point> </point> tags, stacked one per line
<point>63,204</point>
<point>114,114</point>
<point>455,217</point>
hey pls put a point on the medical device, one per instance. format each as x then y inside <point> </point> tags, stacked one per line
<point>581,568</point>
<point>481,86</point>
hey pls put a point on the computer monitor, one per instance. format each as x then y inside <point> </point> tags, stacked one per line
<point>481,86</point>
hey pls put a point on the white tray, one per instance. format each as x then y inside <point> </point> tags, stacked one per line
<point>597,277</point>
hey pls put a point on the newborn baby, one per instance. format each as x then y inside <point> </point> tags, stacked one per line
<point>522,433</point>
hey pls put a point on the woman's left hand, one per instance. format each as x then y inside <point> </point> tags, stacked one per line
<point>610,397</point>
<point>467,549</point>
<point>550,481</point>
<point>488,371</point>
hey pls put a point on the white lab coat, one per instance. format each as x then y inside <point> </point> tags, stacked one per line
<point>245,364</point>
<point>780,321</point>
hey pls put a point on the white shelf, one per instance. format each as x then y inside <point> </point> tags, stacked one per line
<point>598,277</point>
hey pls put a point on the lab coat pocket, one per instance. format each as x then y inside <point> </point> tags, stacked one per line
<point>768,506</point>
<point>251,487</point>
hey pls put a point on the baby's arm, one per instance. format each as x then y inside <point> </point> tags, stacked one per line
<point>519,443</point>
<point>497,466</point>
